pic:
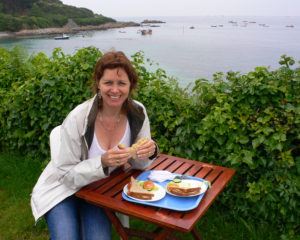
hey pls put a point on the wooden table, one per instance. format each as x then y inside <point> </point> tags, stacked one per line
<point>107,193</point>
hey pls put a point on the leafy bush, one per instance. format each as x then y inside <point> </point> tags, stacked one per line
<point>249,122</point>
<point>253,125</point>
<point>44,91</point>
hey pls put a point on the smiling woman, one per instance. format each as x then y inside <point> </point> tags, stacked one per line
<point>88,151</point>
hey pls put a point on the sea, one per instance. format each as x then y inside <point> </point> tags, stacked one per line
<point>189,48</point>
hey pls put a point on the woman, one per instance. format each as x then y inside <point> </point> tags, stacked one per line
<point>88,151</point>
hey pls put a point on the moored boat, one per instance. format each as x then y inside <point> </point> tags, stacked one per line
<point>146,32</point>
<point>62,37</point>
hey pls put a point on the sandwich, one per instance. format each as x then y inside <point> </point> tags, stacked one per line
<point>133,149</point>
<point>137,191</point>
<point>183,188</point>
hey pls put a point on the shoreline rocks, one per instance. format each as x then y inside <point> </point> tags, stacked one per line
<point>66,29</point>
<point>147,21</point>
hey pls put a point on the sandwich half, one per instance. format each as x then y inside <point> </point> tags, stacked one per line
<point>137,191</point>
<point>183,188</point>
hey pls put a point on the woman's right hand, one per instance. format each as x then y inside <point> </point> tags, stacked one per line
<point>115,157</point>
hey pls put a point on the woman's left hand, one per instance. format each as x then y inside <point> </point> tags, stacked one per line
<point>146,150</point>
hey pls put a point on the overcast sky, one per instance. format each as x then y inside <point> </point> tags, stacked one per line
<point>132,8</point>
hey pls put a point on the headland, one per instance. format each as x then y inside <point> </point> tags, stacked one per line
<point>68,29</point>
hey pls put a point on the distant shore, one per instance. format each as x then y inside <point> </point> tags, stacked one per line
<point>146,21</point>
<point>53,31</point>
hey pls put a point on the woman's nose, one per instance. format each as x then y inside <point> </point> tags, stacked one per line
<point>115,88</point>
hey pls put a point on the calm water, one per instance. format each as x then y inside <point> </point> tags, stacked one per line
<point>213,45</point>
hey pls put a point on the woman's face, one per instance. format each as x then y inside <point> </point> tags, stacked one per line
<point>114,87</point>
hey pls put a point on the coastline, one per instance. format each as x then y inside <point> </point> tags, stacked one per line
<point>65,29</point>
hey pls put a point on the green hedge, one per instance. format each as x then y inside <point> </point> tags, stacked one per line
<point>250,122</point>
<point>38,92</point>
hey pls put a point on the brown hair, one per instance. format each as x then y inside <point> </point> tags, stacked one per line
<point>112,60</point>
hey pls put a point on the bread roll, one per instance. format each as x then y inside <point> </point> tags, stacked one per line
<point>133,149</point>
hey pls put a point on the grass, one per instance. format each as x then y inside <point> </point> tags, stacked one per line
<point>18,175</point>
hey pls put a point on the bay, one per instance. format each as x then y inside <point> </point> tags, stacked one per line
<point>189,48</point>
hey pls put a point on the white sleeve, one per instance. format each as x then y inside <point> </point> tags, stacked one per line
<point>71,169</point>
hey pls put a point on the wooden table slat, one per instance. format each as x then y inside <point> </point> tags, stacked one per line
<point>183,168</point>
<point>193,170</point>
<point>204,172</point>
<point>213,175</point>
<point>115,182</point>
<point>164,164</point>
<point>174,166</point>
<point>158,161</point>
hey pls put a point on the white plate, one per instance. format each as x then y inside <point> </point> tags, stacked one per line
<point>159,193</point>
<point>195,183</point>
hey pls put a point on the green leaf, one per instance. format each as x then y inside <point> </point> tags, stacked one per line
<point>243,139</point>
<point>247,158</point>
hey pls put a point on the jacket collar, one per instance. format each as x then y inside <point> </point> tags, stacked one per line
<point>90,121</point>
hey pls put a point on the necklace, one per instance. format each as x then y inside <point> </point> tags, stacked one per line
<point>105,126</point>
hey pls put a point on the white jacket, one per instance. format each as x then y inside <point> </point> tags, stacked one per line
<point>69,168</point>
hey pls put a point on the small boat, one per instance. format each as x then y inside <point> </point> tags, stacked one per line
<point>146,32</point>
<point>290,26</point>
<point>62,37</point>
<point>192,27</point>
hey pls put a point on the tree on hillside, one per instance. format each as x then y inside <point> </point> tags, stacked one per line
<point>32,14</point>
<point>13,6</point>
